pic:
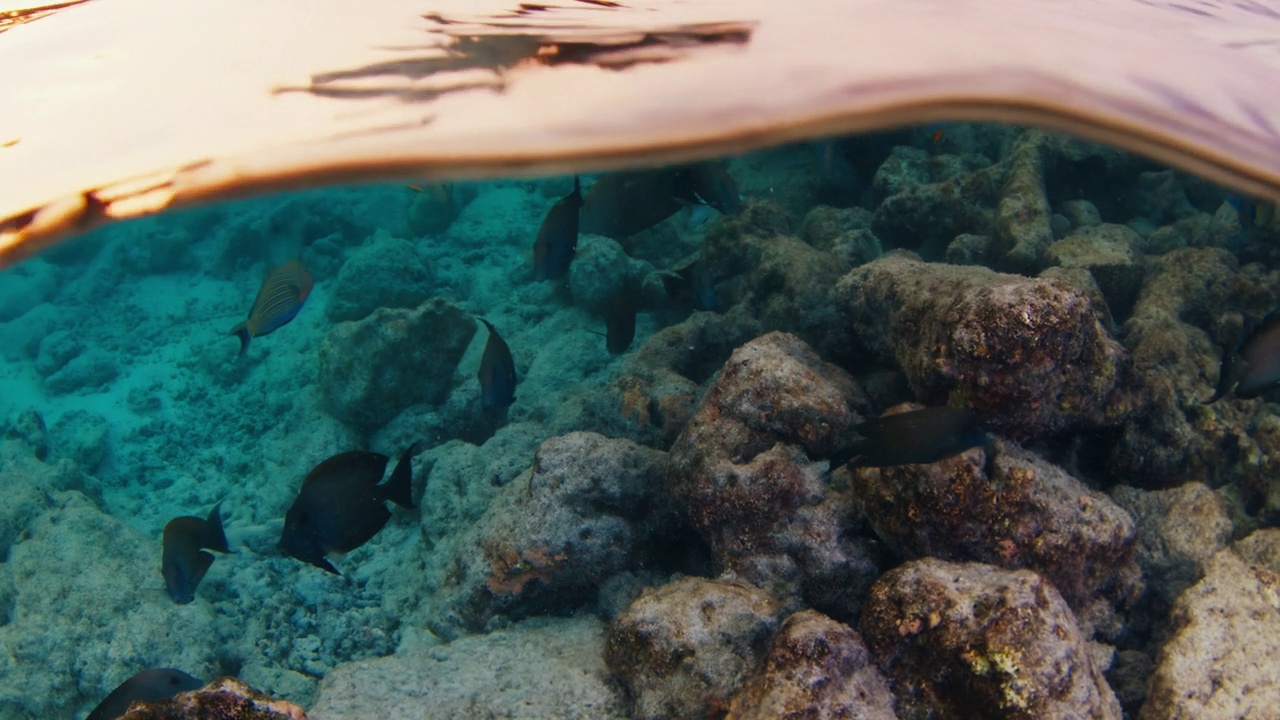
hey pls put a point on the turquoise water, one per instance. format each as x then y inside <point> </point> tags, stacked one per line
<point>125,405</point>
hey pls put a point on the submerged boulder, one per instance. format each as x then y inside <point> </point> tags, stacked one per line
<point>969,640</point>
<point>749,471</point>
<point>818,669</point>
<point>371,369</point>
<point>1031,356</point>
<point>682,649</point>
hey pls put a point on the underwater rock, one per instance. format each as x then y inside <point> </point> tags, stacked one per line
<point>434,209</point>
<point>1031,514</point>
<point>56,349</point>
<point>818,669</point>
<point>969,249</point>
<point>683,649</point>
<point>386,272</point>
<point>80,436</point>
<point>658,387</point>
<point>1108,252</point>
<point>371,369</point>
<point>748,471</point>
<point>581,513</point>
<point>158,251</point>
<point>88,600</point>
<point>1080,213</point>
<point>1171,437</point>
<point>1030,356</point>
<point>88,370</point>
<point>599,269</point>
<point>926,217</point>
<point>792,289</point>
<point>224,699</point>
<point>1179,531</point>
<point>26,286</point>
<point>1022,229</point>
<point>29,483</point>
<point>844,232</point>
<point>29,428</point>
<point>971,640</point>
<point>540,668</point>
<point>1161,197</point>
<point>1220,661</point>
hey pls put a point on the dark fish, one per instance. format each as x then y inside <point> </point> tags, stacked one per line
<point>915,436</point>
<point>497,372</point>
<point>341,506</point>
<point>622,204</point>
<point>704,286</point>
<point>183,563</point>
<point>1254,367</point>
<point>558,237</point>
<point>620,322</point>
<point>712,184</point>
<point>1246,211</point>
<point>147,686</point>
<point>279,300</point>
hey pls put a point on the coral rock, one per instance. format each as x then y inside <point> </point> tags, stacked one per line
<point>386,272</point>
<point>225,699</point>
<point>682,649</point>
<point>744,471</point>
<point>964,641</point>
<point>1031,514</point>
<point>373,368</point>
<point>815,668</point>
<point>1031,356</point>
<point>580,514</point>
<point>1220,662</point>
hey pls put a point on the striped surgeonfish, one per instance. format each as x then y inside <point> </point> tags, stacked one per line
<point>279,300</point>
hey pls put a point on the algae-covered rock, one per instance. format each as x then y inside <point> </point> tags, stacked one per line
<point>1109,253</point>
<point>386,272</point>
<point>682,649</point>
<point>1029,514</point>
<point>371,369</point>
<point>969,640</point>
<point>818,669</point>
<point>1031,356</point>
<point>223,699</point>
<point>748,471</point>
<point>539,669</point>
<point>1220,661</point>
<point>581,513</point>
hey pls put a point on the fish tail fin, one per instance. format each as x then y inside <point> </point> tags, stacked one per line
<point>241,331</point>
<point>1228,376</point>
<point>399,488</point>
<point>217,538</point>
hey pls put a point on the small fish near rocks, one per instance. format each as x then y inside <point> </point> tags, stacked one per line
<point>147,686</point>
<point>341,506</point>
<point>1253,367</point>
<point>279,300</point>
<point>183,562</point>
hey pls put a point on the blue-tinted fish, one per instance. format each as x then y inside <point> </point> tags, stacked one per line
<point>1246,211</point>
<point>704,285</point>
<point>279,300</point>
<point>620,322</point>
<point>147,686</point>
<point>341,506</point>
<point>558,237</point>
<point>1253,367</point>
<point>916,436</point>
<point>497,373</point>
<point>183,563</point>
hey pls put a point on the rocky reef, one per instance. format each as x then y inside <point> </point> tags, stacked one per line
<point>677,529</point>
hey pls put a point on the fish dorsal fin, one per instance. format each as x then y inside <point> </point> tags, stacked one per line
<point>355,465</point>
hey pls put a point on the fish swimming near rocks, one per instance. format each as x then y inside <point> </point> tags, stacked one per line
<point>497,373</point>
<point>279,300</point>
<point>147,686</point>
<point>557,241</point>
<point>916,437</point>
<point>1253,367</point>
<point>621,204</point>
<point>711,183</point>
<point>341,506</point>
<point>620,321</point>
<point>183,561</point>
